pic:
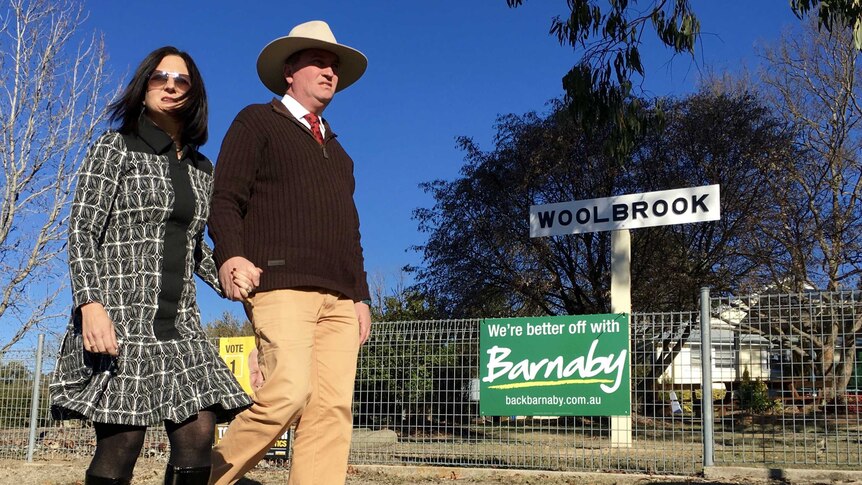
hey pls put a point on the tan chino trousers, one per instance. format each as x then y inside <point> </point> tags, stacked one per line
<point>308,343</point>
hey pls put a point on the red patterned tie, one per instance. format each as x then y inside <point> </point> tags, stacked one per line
<point>314,121</point>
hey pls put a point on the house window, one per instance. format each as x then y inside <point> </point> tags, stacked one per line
<point>724,358</point>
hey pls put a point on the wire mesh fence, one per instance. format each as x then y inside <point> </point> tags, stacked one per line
<point>417,401</point>
<point>16,392</point>
<point>793,368</point>
<point>785,392</point>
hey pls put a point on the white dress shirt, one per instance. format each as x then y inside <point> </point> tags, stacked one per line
<point>298,111</point>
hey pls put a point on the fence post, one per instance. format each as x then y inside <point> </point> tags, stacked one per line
<point>706,377</point>
<point>34,402</point>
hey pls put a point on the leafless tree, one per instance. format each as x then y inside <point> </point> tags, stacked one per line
<point>393,299</point>
<point>228,325</point>
<point>813,79</point>
<point>810,237</point>
<point>53,93</point>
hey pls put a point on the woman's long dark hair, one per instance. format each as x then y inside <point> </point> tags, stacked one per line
<point>192,113</point>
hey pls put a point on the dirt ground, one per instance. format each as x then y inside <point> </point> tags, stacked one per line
<point>150,472</point>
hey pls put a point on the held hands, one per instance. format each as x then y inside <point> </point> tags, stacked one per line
<point>98,330</point>
<point>238,277</point>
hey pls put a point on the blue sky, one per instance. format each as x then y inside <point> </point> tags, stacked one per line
<point>437,70</point>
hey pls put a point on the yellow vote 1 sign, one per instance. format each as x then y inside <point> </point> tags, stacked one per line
<point>237,354</point>
<point>236,351</point>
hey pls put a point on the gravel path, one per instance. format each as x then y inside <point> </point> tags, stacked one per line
<point>150,472</point>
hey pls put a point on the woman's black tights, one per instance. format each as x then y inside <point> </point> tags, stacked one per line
<point>118,445</point>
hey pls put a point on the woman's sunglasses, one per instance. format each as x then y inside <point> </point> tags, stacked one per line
<point>159,78</point>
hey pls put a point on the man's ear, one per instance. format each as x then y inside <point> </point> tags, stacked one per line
<point>288,74</point>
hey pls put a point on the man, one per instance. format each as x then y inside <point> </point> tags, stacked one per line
<point>283,201</point>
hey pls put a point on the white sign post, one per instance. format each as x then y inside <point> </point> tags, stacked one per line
<point>621,302</point>
<point>620,214</point>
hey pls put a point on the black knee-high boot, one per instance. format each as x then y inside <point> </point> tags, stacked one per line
<point>179,475</point>
<point>97,480</point>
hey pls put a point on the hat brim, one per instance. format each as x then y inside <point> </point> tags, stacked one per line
<point>270,62</point>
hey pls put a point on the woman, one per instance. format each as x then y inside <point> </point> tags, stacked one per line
<point>135,353</point>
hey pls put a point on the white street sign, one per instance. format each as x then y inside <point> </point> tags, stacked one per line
<point>661,208</point>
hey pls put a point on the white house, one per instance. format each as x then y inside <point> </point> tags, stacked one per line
<point>732,354</point>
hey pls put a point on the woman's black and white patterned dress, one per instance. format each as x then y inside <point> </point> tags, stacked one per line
<point>135,243</point>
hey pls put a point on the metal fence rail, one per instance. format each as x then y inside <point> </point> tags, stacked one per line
<point>785,377</point>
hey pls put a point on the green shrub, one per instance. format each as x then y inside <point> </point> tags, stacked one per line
<point>754,395</point>
<point>717,394</point>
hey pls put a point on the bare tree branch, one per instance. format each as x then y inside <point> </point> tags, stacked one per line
<point>811,80</point>
<point>52,101</point>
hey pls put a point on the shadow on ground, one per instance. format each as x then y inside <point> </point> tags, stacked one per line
<point>248,481</point>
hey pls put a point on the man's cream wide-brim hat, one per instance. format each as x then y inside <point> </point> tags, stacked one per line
<point>310,35</point>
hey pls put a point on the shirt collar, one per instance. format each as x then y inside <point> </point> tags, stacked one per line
<point>298,111</point>
<point>154,136</point>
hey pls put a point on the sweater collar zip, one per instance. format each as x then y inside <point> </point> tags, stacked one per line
<point>279,108</point>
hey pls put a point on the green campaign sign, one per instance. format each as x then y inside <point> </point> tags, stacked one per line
<point>575,365</point>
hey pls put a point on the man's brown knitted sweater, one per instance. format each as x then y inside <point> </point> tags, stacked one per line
<point>285,203</point>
